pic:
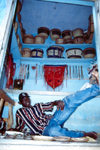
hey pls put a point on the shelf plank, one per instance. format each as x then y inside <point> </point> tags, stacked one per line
<point>10,91</point>
<point>47,45</point>
<point>48,93</point>
<point>55,61</point>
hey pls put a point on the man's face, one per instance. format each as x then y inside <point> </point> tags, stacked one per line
<point>26,102</point>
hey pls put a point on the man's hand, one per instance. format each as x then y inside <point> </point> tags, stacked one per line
<point>59,104</point>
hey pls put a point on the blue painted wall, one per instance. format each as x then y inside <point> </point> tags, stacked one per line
<point>54,15</point>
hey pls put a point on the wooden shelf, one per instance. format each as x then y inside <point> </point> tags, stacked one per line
<point>54,93</point>
<point>36,92</point>
<point>55,61</point>
<point>48,44</point>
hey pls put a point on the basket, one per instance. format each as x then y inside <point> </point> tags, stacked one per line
<point>74,53</point>
<point>55,33</point>
<point>55,51</point>
<point>68,41</point>
<point>37,53</point>
<point>78,40</point>
<point>43,31</point>
<point>26,52</point>
<point>67,34</point>
<point>39,39</point>
<point>77,32</point>
<point>89,53</point>
<point>59,41</point>
<point>28,39</point>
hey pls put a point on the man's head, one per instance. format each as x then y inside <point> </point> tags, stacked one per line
<point>24,100</point>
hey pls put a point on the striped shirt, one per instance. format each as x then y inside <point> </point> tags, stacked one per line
<point>33,117</point>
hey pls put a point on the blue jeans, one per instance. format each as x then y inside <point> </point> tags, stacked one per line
<point>55,126</point>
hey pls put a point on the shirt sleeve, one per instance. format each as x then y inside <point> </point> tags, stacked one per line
<point>46,107</point>
<point>19,122</point>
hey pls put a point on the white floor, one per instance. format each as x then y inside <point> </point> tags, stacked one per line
<point>13,144</point>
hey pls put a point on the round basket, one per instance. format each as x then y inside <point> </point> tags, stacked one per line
<point>74,53</point>
<point>68,41</point>
<point>37,53</point>
<point>89,53</point>
<point>28,39</point>
<point>43,31</point>
<point>55,33</point>
<point>78,40</point>
<point>67,34</point>
<point>55,51</point>
<point>77,32</point>
<point>26,52</point>
<point>39,39</point>
<point>59,41</point>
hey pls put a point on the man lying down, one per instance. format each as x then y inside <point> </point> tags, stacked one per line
<point>39,123</point>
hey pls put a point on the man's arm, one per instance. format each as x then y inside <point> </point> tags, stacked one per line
<point>59,104</point>
<point>49,106</point>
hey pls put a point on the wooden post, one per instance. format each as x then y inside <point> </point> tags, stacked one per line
<point>10,116</point>
<point>5,99</point>
<point>1,106</point>
<point>4,96</point>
